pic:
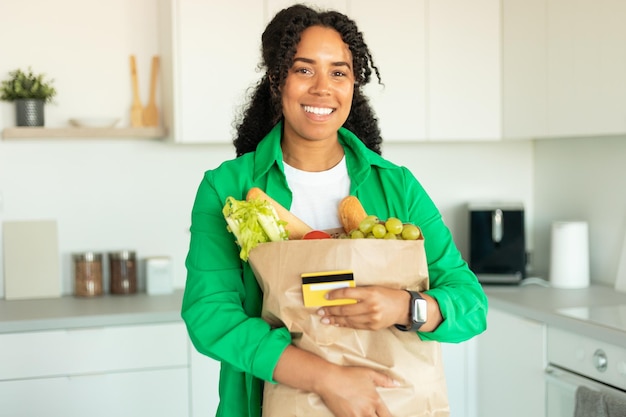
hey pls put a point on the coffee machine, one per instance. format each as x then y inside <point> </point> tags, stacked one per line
<point>497,242</point>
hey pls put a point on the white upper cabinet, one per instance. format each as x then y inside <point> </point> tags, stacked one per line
<point>274,6</point>
<point>463,67</point>
<point>452,70</point>
<point>212,50</point>
<point>397,41</point>
<point>524,80</point>
<point>486,69</point>
<point>586,67</point>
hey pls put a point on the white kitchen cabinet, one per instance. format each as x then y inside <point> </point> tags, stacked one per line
<point>398,44</point>
<point>211,51</point>
<point>160,392</point>
<point>525,69</point>
<point>447,77</point>
<point>101,371</point>
<point>454,72</point>
<point>459,70</point>
<point>482,70</point>
<point>464,69</point>
<point>586,67</point>
<point>274,6</point>
<point>511,358</point>
<point>205,379</point>
<point>459,361</point>
<point>524,81</point>
<point>486,69</point>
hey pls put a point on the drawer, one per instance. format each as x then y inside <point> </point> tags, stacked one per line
<point>154,393</point>
<point>92,350</point>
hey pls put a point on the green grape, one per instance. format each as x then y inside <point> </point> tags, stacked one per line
<point>379,230</point>
<point>372,227</point>
<point>367,224</point>
<point>410,232</point>
<point>394,225</point>
<point>356,234</point>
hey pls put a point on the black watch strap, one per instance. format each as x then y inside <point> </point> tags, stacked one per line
<point>417,313</point>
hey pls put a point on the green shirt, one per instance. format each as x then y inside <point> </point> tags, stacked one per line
<point>222,301</point>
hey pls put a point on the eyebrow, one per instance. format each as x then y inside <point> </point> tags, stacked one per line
<point>312,61</point>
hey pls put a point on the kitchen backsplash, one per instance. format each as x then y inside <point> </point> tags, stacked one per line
<point>112,195</point>
<point>582,179</point>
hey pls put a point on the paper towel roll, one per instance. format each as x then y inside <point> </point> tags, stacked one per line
<point>569,261</point>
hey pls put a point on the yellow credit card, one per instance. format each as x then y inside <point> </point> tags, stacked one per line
<point>315,285</point>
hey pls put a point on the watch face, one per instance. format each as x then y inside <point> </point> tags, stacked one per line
<point>418,311</point>
<point>420,308</point>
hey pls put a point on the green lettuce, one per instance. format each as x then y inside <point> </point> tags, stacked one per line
<point>253,222</point>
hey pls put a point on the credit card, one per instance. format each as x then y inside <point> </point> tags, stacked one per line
<point>315,286</point>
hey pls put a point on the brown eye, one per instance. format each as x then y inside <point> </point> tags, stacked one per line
<point>302,71</point>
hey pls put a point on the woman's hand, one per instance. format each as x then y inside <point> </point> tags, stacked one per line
<point>376,308</point>
<point>347,391</point>
<point>351,392</point>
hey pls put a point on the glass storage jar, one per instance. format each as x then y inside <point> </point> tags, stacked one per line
<point>123,272</point>
<point>87,274</point>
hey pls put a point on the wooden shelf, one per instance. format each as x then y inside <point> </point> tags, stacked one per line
<point>83,133</point>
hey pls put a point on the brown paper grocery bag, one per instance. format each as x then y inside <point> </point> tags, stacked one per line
<point>415,364</point>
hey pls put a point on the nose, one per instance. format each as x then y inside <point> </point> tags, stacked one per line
<point>320,85</point>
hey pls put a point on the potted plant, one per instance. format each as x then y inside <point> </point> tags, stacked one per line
<point>30,92</point>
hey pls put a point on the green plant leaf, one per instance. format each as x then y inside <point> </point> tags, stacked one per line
<point>22,85</point>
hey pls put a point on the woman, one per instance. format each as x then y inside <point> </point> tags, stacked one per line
<point>309,138</point>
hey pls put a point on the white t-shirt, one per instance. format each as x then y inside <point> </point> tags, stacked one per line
<point>316,195</point>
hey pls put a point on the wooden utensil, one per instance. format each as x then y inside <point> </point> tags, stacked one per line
<point>151,113</point>
<point>136,111</point>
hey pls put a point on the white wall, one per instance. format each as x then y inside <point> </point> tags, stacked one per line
<point>457,173</point>
<point>85,47</point>
<point>108,195</point>
<point>582,179</point>
<point>113,194</point>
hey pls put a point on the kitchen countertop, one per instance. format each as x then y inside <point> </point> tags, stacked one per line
<point>534,302</point>
<point>69,312</point>
<point>552,305</point>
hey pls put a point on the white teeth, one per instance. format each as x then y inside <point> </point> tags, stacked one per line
<point>318,110</point>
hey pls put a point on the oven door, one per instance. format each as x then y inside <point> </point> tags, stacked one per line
<point>561,388</point>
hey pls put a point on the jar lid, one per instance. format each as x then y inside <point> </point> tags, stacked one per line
<point>122,255</point>
<point>87,256</point>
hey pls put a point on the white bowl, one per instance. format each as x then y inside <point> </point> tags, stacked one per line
<point>94,122</point>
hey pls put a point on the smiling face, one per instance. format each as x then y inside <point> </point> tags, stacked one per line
<point>317,94</point>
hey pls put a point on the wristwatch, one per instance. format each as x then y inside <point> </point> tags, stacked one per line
<point>418,312</point>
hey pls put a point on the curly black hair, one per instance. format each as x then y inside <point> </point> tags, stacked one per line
<point>279,42</point>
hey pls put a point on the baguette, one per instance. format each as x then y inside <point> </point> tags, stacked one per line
<point>295,227</point>
<point>351,213</point>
